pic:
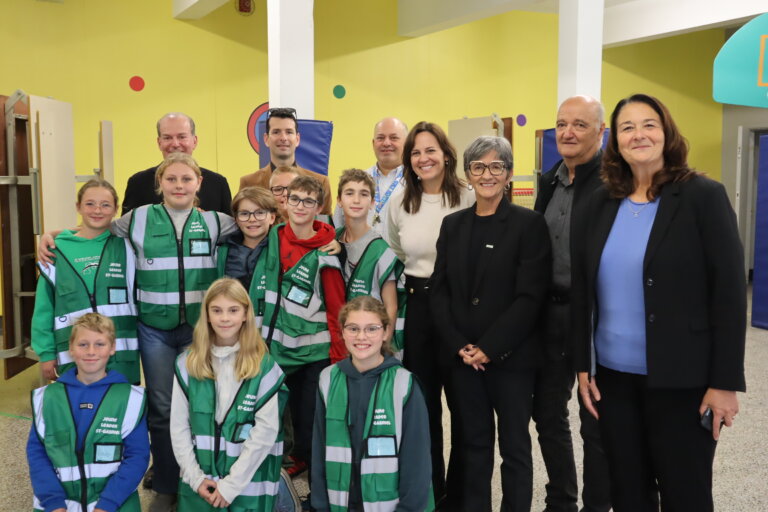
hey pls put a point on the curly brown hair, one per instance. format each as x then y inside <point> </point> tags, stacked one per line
<point>451,186</point>
<point>616,173</point>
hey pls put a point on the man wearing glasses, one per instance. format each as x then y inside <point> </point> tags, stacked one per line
<point>282,138</point>
<point>176,134</point>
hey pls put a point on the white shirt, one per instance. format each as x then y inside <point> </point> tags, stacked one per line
<point>260,440</point>
<point>413,236</point>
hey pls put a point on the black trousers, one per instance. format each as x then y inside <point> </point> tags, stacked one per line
<point>553,389</point>
<point>655,445</point>
<point>302,386</point>
<point>477,395</point>
<point>421,351</point>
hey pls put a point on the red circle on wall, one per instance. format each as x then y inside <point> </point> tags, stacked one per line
<point>258,112</point>
<point>136,83</point>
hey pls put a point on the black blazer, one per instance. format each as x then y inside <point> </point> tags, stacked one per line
<point>214,191</point>
<point>506,297</point>
<point>694,287</point>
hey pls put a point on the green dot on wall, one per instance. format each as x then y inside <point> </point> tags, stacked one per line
<point>339,91</point>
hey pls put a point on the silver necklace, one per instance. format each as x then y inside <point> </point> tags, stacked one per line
<point>636,213</point>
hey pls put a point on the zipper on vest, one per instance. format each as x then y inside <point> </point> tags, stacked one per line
<point>80,454</point>
<point>91,295</point>
<point>83,482</point>
<point>218,426</point>
<point>180,256</point>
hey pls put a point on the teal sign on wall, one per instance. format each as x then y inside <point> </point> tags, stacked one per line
<point>740,72</point>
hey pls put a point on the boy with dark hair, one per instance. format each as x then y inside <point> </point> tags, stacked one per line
<point>88,447</point>
<point>299,296</point>
<point>370,267</point>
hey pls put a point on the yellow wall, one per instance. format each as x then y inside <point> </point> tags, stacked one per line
<point>677,70</point>
<point>215,69</point>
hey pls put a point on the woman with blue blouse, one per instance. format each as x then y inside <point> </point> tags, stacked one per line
<point>659,301</point>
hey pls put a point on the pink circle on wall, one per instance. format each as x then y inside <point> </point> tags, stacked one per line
<point>136,83</point>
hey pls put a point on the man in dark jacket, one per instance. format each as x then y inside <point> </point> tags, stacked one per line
<point>176,134</point>
<point>563,191</point>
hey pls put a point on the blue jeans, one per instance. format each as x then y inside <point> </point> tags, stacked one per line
<point>158,354</point>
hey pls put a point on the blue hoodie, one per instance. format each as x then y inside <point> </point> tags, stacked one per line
<point>121,485</point>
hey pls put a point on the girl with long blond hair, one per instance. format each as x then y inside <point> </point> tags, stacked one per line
<point>228,397</point>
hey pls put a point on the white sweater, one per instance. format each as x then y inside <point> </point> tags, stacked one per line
<point>413,236</point>
<point>255,449</point>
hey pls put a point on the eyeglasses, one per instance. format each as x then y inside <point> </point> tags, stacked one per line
<point>477,168</point>
<point>308,202</point>
<point>105,207</point>
<point>370,330</point>
<point>278,190</point>
<point>244,215</point>
<point>281,112</point>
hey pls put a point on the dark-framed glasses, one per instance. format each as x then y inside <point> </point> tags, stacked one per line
<point>369,330</point>
<point>244,215</point>
<point>477,168</point>
<point>308,202</point>
<point>278,190</point>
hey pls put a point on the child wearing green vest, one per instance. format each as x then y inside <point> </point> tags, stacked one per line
<point>370,446</point>
<point>300,294</point>
<point>175,246</point>
<point>88,446</point>
<point>370,267</point>
<point>254,209</point>
<point>93,272</point>
<point>228,397</point>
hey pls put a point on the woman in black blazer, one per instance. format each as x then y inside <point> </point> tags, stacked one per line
<point>659,302</point>
<point>491,276</point>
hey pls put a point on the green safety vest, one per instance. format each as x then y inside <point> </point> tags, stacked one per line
<point>379,472</point>
<point>172,275</point>
<point>376,265</point>
<point>83,474</point>
<point>298,325</point>
<point>217,446</point>
<point>113,289</point>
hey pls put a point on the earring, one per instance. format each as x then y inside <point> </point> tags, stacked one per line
<point>508,186</point>
<point>469,186</point>
<point>418,177</point>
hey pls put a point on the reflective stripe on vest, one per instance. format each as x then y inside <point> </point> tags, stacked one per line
<point>172,273</point>
<point>300,332</point>
<point>116,417</point>
<point>112,296</point>
<point>377,265</point>
<point>72,506</point>
<point>379,476</point>
<point>217,446</point>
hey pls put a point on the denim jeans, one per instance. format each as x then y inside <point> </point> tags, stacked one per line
<point>158,354</point>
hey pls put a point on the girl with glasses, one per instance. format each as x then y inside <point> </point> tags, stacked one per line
<point>370,446</point>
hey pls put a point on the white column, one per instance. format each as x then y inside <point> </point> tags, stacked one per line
<point>291,52</point>
<point>580,52</point>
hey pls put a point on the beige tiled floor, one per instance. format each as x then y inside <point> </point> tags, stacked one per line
<point>741,464</point>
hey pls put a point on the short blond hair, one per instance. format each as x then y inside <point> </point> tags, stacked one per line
<point>95,322</point>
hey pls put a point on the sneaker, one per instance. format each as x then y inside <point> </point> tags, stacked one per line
<point>163,503</point>
<point>298,467</point>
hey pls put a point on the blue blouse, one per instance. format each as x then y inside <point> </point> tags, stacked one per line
<point>620,334</point>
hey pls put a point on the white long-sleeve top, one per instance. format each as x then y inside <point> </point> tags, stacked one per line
<point>255,449</point>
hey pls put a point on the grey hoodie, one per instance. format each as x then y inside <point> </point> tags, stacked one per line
<point>415,462</point>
